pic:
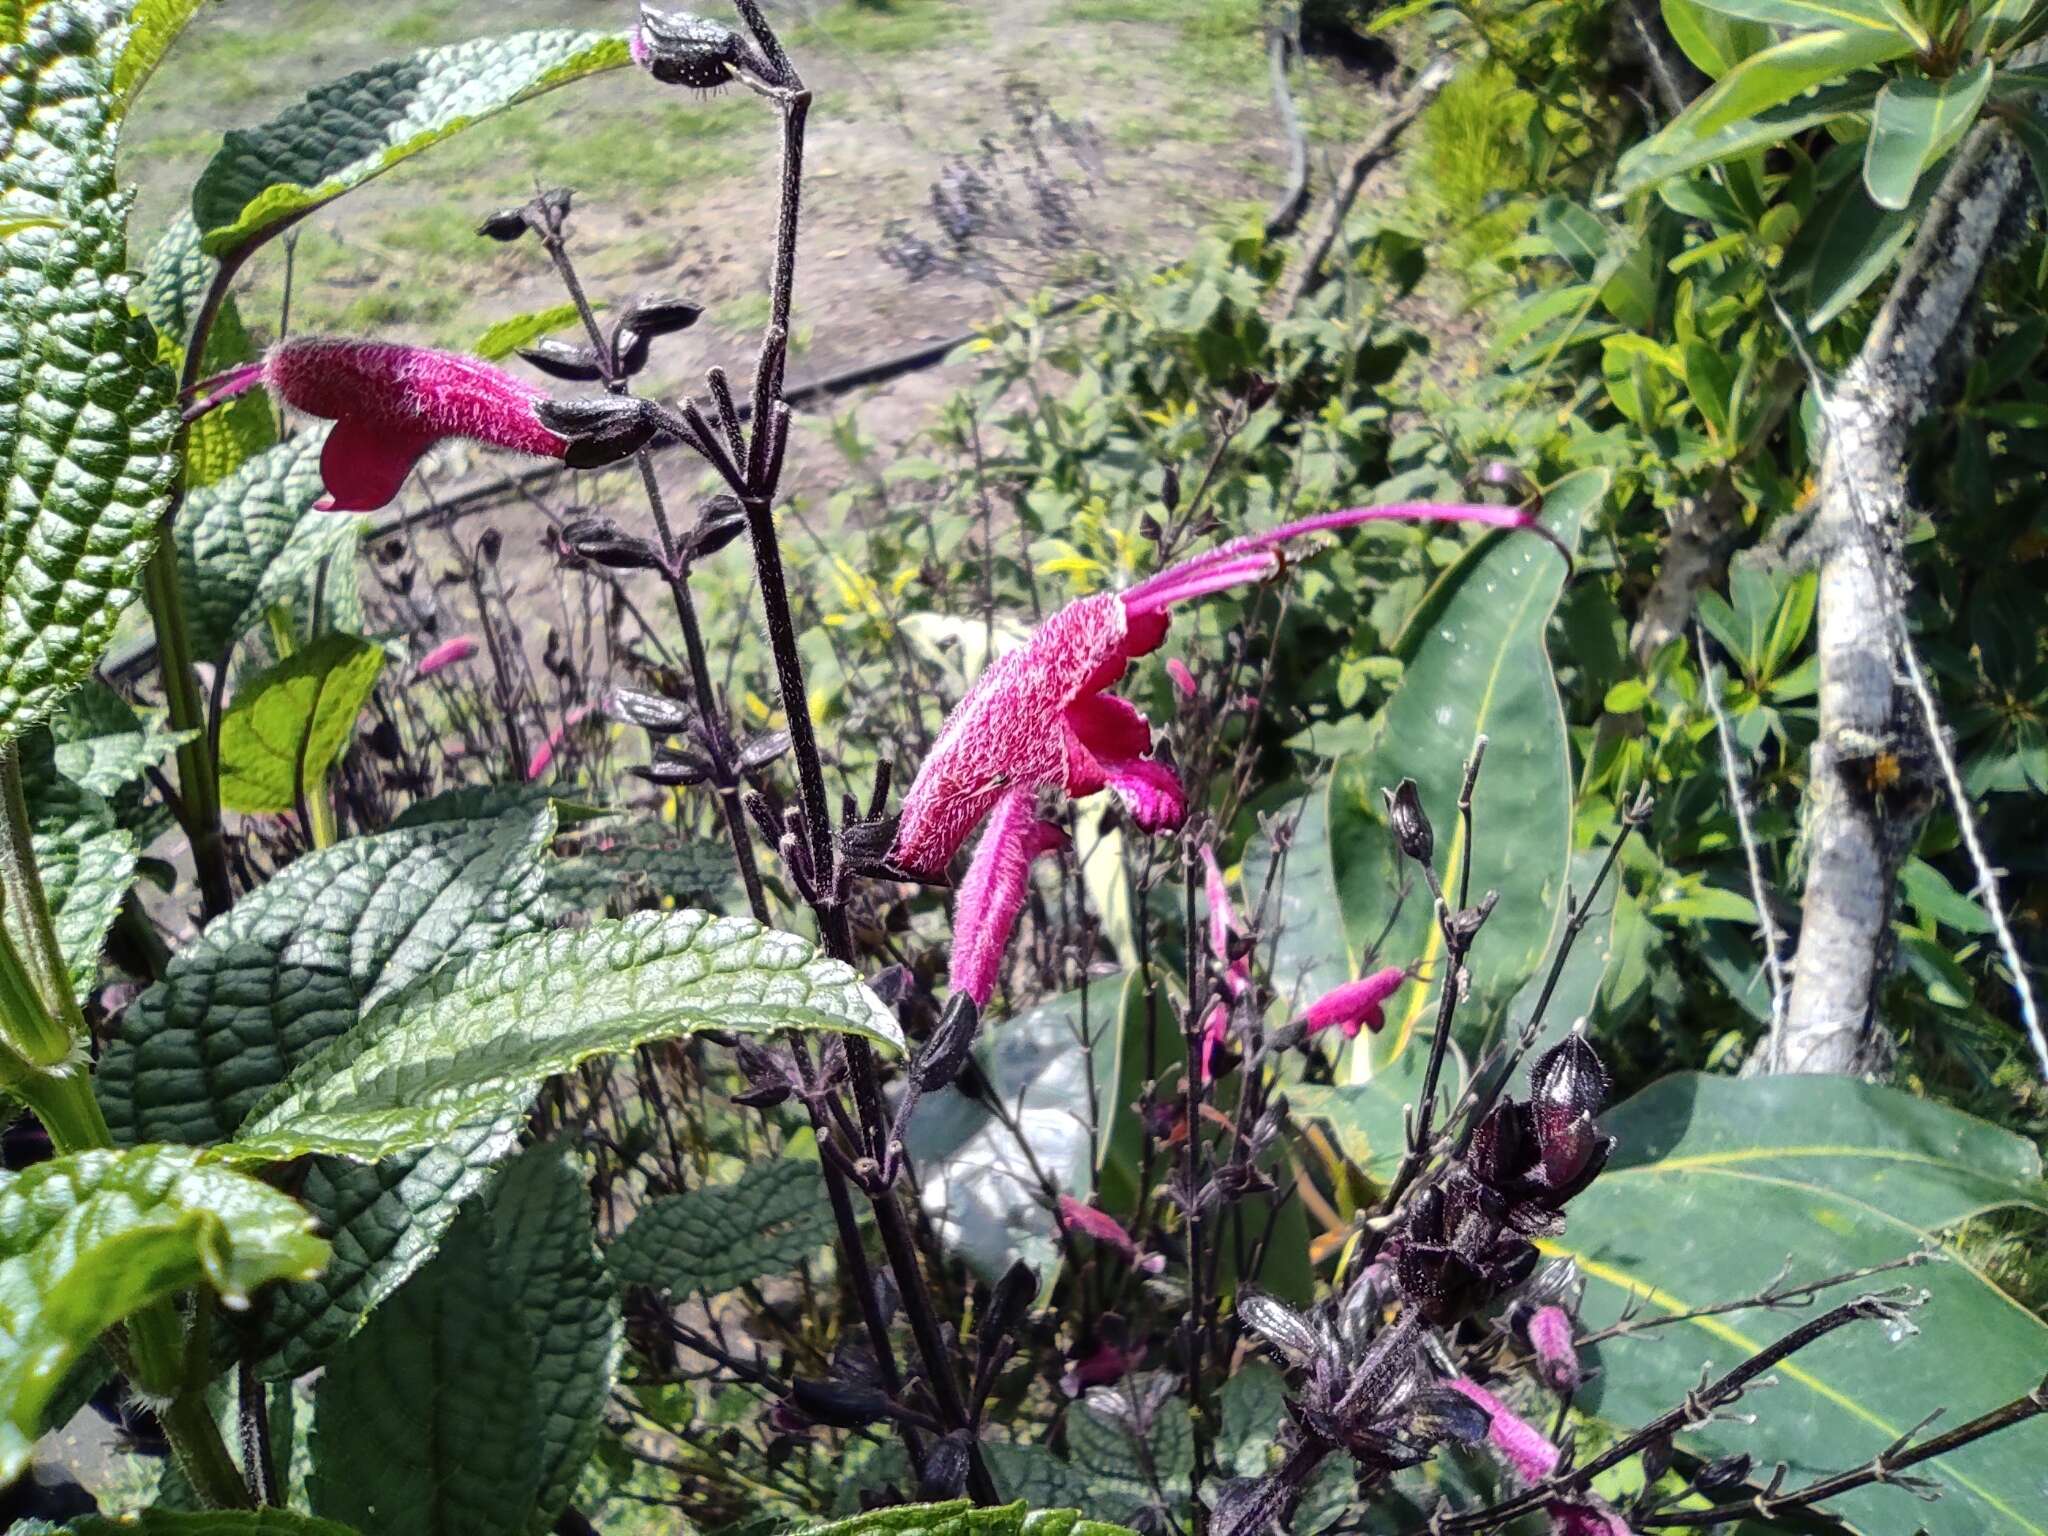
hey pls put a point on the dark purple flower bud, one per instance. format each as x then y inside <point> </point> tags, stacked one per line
<point>1279,1325</point>
<point>602,429</point>
<point>842,1404</point>
<point>505,224</point>
<point>760,751</point>
<point>1442,1283</point>
<point>661,316</point>
<point>1413,834</point>
<point>945,1467</point>
<point>678,48</point>
<point>1437,1413</point>
<point>563,360</point>
<point>1568,1080</point>
<point>1009,1301</point>
<point>1169,489</point>
<point>940,1059</point>
<point>672,769</point>
<point>1426,1219</point>
<point>768,1080</point>
<point>603,542</point>
<point>651,712</point>
<point>1726,1472</point>
<point>1499,1150</point>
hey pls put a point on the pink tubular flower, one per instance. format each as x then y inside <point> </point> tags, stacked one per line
<point>544,754</point>
<point>1183,679</point>
<point>1557,1357</point>
<point>1356,1005</point>
<point>1040,716</point>
<point>1100,1225</point>
<point>446,654</point>
<point>992,895</point>
<point>389,405</point>
<point>1237,973</point>
<point>1524,1447</point>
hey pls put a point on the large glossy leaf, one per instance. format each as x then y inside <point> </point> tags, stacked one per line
<point>476,1039</point>
<point>1846,244</point>
<point>1717,1181</point>
<point>87,1240</point>
<point>356,128</point>
<point>1917,122</point>
<point>296,963</point>
<point>290,722</point>
<point>245,543</point>
<point>427,1424</point>
<point>226,436</point>
<point>1822,15</point>
<point>726,1235</point>
<point>86,416</point>
<point>1670,154</point>
<point>1780,73</point>
<point>1476,667</point>
<point>1713,40</point>
<point>545,1258</point>
<point>155,26</point>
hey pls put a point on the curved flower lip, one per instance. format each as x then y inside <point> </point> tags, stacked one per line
<point>389,404</point>
<point>1041,716</point>
<point>986,908</point>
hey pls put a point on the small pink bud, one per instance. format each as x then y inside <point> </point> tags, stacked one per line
<point>1557,1357</point>
<point>1356,1005</point>
<point>1520,1443</point>
<point>1183,679</point>
<point>544,754</point>
<point>1100,1225</point>
<point>446,654</point>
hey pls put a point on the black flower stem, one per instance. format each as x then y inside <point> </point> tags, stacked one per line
<point>1696,1407</point>
<point>1194,1329</point>
<point>1881,1468</point>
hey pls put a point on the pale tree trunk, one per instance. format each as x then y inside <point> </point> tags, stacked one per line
<point>1871,780</point>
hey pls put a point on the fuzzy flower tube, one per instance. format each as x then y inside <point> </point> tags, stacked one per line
<point>1355,1006</point>
<point>1041,717</point>
<point>1224,924</point>
<point>389,405</point>
<point>1525,1448</point>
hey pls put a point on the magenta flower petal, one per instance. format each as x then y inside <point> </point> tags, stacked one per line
<point>1222,915</point>
<point>446,654</point>
<point>390,404</point>
<point>985,911</point>
<point>1107,1364</point>
<point>1356,1005</point>
<point>1520,1443</point>
<point>543,756</point>
<point>1100,1225</point>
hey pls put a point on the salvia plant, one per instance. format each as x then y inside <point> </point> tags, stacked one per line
<point>980,1086</point>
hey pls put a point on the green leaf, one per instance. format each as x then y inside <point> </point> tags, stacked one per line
<point>1777,75</point>
<point>1819,15</point>
<point>443,1053</point>
<point>1254,1403</point>
<point>290,722</point>
<point>179,275</point>
<point>1715,42</point>
<point>1934,900</point>
<point>427,1424</point>
<point>89,1239</point>
<point>960,1518</point>
<point>1711,382</point>
<point>1675,153</point>
<point>544,1257</point>
<point>1576,235</point>
<point>1917,122</point>
<point>725,1235</point>
<point>154,26</point>
<point>1475,666</point>
<point>508,336</point>
<point>1846,244</point>
<point>356,128</point>
<point>104,744</point>
<point>246,542</point>
<point>1716,1181</point>
<point>296,963</point>
<point>1122,1472</point>
<point>209,1522</point>
<point>86,860</point>
<point>86,415</point>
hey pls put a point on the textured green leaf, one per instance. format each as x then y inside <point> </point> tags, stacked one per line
<point>290,722</point>
<point>156,25</point>
<point>86,416</point>
<point>104,744</point>
<point>86,860</point>
<point>228,435</point>
<point>960,1518</point>
<point>1674,154</point>
<point>293,966</point>
<point>426,1424</point>
<point>725,1235</point>
<point>638,866</point>
<point>485,802</point>
<point>1716,1181</point>
<point>1915,123</point>
<point>508,336</point>
<point>1475,667</point>
<point>1034,1474</point>
<point>1254,1404</point>
<point>245,543</point>
<point>478,1038</point>
<point>545,1257</point>
<point>1104,1448</point>
<point>87,1240</point>
<point>210,1522</point>
<point>356,128</point>
<point>386,1220</point>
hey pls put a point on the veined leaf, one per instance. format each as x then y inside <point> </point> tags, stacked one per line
<point>356,128</point>
<point>426,1425</point>
<point>245,543</point>
<point>87,861</point>
<point>725,1235</point>
<point>290,722</point>
<point>1846,244</point>
<point>961,1518</point>
<point>1714,41</point>
<point>1819,15</point>
<point>159,1521</point>
<point>104,744</point>
<point>87,1240</point>
<point>154,26</point>
<point>1667,154</point>
<point>1475,666</point>
<point>1716,1181</point>
<point>544,1256</point>
<point>294,965</point>
<point>445,1052</point>
<point>218,442</point>
<point>1917,122</point>
<point>86,416</point>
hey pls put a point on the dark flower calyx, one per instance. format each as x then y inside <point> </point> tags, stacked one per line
<point>1412,831</point>
<point>602,429</point>
<point>505,224</point>
<point>679,48</point>
<point>603,542</point>
<point>562,360</point>
<point>661,315</point>
<point>942,1056</point>
<point>652,712</point>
